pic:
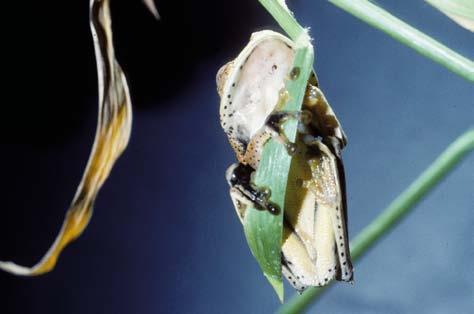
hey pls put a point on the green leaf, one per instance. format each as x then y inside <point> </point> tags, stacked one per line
<point>263,230</point>
<point>460,11</point>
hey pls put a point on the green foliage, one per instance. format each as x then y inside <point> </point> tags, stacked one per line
<point>262,229</point>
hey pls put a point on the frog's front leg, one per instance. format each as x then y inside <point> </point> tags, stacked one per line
<point>275,121</point>
<point>239,178</point>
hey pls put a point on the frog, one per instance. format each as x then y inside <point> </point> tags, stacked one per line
<point>315,246</point>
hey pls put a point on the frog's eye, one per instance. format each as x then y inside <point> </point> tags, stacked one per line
<point>222,76</point>
<point>230,174</point>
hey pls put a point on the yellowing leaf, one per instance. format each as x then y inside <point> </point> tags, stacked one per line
<point>112,135</point>
<point>460,11</point>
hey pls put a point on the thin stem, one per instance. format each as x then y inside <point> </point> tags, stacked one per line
<point>280,12</point>
<point>409,36</point>
<point>394,213</point>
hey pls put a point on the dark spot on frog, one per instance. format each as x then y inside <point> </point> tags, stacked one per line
<point>295,73</point>
<point>274,67</point>
<point>242,142</point>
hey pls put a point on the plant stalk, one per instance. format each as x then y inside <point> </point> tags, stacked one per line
<point>409,36</point>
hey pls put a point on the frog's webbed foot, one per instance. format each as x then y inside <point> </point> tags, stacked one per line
<point>274,125</point>
<point>239,178</point>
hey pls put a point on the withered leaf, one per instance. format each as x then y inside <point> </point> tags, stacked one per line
<point>112,135</point>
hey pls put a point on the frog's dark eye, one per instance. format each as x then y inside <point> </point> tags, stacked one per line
<point>242,173</point>
<point>239,174</point>
<point>233,179</point>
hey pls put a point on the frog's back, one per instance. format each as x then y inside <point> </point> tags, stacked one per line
<point>250,87</point>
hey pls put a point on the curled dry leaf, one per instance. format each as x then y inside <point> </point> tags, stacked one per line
<point>112,135</point>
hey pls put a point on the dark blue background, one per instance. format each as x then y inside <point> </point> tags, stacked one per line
<point>164,237</point>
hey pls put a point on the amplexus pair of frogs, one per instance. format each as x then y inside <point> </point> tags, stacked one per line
<point>315,247</point>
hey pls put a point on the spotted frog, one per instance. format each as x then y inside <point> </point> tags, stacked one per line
<point>315,247</point>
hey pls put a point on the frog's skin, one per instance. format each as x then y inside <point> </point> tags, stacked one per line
<point>315,246</point>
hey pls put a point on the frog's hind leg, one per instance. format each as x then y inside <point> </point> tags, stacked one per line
<point>297,266</point>
<point>328,187</point>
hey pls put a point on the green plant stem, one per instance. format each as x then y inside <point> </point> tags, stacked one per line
<point>281,14</point>
<point>409,36</point>
<point>398,209</point>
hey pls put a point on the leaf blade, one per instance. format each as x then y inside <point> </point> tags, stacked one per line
<point>262,229</point>
<point>111,139</point>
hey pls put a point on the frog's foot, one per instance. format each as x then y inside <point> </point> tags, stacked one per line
<point>330,141</point>
<point>275,121</point>
<point>239,178</point>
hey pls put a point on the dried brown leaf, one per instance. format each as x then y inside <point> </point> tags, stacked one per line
<point>112,135</point>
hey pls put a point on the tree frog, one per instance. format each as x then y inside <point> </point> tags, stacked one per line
<point>315,246</point>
